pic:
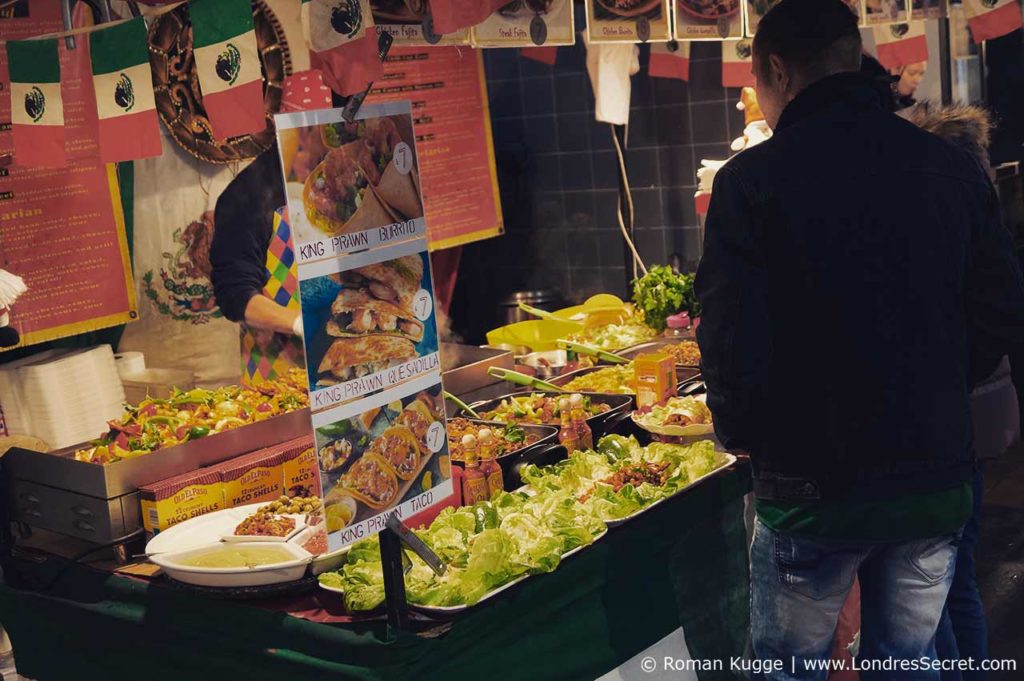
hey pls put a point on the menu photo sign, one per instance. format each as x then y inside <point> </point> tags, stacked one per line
<point>409,23</point>
<point>524,23</point>
<point>753,10</point>
<point>628,21</point>
<point>708,19</point>
<point>885,11</point>
<point>927,9</point>
<point>367,299</point>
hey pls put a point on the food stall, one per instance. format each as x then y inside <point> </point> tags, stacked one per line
<point>345,491</point>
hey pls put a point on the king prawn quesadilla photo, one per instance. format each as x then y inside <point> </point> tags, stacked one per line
<point>364,319</point>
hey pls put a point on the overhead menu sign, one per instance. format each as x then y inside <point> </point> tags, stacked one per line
<point>367,299</point>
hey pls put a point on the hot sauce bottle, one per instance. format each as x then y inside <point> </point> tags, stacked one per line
<point>568,437</point>
<point>488,465</point>
<point>579,422</point>
<point>474,483</point>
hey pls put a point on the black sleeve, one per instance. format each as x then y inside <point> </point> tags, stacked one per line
<point>995,293</point>
<point>244,223</point>
<point>734,332</point>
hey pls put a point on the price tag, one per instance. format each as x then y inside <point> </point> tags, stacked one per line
<point>422,305</point>
<point>538,30</point>
<point>403,158</point>
<point>643,29</point>
<point>435,437</point>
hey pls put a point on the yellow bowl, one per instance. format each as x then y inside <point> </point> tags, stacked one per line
<point>536,334</point>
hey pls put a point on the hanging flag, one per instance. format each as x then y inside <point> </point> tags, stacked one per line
<point>343,43</point>
<point>128,127</point>
<point>305,91</point>
<point>737,63</point>
<point>37,108</point>
<point>668,63</point>
<point>901,44</point>
<point>545,55</point>
<point>989,19</point>
<point>228,66</point>
<point>450,16</point>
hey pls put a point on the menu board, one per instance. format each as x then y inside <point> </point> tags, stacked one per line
<point>753,10</point>
<point>453,135</point>
<point>927,9</point>
<point>62,229</point>
<point>524,23</point>
<point>628,21</point>
<point>409,23</point>
<point>708,19</point>
<point>367,298</point>
<point>885,11</point>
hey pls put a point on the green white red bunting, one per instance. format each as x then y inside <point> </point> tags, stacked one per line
<point>125,104</point>
<point>666,62</point>
<point>901,44</point>
<point>737,63</point>
<point>452,15</point>
<point>228,66</point>
<point>343,43</point>
<point>990,19</point>
<point>37,109</point>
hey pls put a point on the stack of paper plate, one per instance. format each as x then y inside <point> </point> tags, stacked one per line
<point>62,397</point>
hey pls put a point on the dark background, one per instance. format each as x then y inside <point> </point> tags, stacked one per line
<point>558,175</point>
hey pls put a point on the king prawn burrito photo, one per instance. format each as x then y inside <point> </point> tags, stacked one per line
<point>347,177</point>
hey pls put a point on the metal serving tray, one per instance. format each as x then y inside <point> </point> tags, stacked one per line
<point>59,469</point>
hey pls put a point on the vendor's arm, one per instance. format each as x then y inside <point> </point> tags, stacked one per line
<point>734,331</point>
<point>243,227</point>
<point>264,313</point>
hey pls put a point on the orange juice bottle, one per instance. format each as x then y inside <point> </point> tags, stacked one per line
<point>489,465</point>
<point>474,483</point>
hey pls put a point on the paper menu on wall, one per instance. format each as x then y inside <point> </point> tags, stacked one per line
<point>708,19</point>
<point>629,21</point>
<point>524,23</point>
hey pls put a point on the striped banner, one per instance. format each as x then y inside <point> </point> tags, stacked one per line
<point>990,19</point>
<point>901,44</point>
<point>668,63</point>
<point>737,63</point>
<point>37,108</point>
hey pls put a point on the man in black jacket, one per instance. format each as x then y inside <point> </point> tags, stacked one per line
<point>856,278</point>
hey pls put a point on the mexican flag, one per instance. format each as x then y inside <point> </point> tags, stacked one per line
<point>228,65</point>
<point>452,15</point>
<point>37,109</point>
<point>343,43</point>
<point>989,19</point>
<point>901,44</point>
<point>737,63</point>
<point>666,63</point>
<point>128,127</point>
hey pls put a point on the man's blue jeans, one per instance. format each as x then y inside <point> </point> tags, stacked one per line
<point>798,586</point>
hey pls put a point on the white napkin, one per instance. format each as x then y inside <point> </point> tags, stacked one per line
<point>753,134</point>
<point>11,286</point>
<point>610,66</point>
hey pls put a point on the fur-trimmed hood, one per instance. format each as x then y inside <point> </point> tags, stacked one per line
<point>968,127</point>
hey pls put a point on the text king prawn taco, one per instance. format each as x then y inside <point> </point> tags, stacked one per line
<point>355,311</point>
<point>337,196</point>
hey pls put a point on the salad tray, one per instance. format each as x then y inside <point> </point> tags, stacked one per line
<point>619,404</point>
<point>449,611</point>
<point>730,460</point>
<point>60,469</point>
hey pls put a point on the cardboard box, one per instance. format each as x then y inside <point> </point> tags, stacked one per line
<point>252,479</point>
<point>301,468</point>
<point>168,502</point>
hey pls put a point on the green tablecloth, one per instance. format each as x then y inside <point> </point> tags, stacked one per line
<point>683,563</point>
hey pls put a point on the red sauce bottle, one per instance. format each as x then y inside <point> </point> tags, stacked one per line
<point>474,483</point>
<point>568,437</point>
<point>488,465</point>
<point>579,422</point>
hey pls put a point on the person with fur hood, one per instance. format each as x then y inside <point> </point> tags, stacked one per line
<point>995,413</point>
<point>994,410</point>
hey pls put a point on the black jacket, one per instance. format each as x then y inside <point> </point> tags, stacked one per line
<point>243,227</point>
<point>855,270</point>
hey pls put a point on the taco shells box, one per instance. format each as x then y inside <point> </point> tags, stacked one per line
<point>253,478</point>
<point>301,468</point>
<point>168,502</point>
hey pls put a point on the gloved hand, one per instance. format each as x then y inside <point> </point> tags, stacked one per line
<point>297,328</point>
